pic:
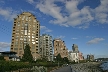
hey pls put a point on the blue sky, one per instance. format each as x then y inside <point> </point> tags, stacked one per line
<point>81,22</point>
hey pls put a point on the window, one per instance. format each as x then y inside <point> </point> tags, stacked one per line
<point>36,41</point>
<point>33,39</point>
<point>11,48</point>
<point>25,39</point>
<point>21,38</point>
<point>33,25</point>
<point>20,48</point>
<point>16,42</point>
<point>33,52</point>
<point>36,46</point>
<point>16,39</point>
<point>26,24</point>
<point>15,48</point>
<point>20,52</point>
<point>29,34</point>
<point>26,18</point>
<point>34,20</point>
<point>29,30</point>
<point>36,34</point>
<point>33,42</point>
<point>33,46</point>
<point>18,24</point>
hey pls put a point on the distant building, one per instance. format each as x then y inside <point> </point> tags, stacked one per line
<point>75,48</point>
<point>10,56</point>
<point>26,30</point>
<point>60,48</point>
<point>90,57</point>
<point>46,46</point>
<point>73,56</point>
<point>81,57</point>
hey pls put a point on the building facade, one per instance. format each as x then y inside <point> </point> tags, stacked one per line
<point>60,48</point>
<point>81,57</point>
<point>75,48</point>
<point>26,30</point>
<point>90,57</point>
<point>73,56</point>
<point>46,46</point>
<point>9,56</point>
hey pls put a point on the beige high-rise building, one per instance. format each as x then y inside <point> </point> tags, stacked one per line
<point>60,48</point>
<point>26,30</point>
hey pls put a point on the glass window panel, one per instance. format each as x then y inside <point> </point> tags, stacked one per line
<point>15,48</point>
<point>25,32</point>
<point>29,34</point>
<point>33,42</point>
<point>34,20</point>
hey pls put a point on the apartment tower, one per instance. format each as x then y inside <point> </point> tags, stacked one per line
<point>60,48</point>
<point>46,50</point>
<point>75,48</point>
<point>26,30</point>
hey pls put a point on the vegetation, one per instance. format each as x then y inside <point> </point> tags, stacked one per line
<point>27,56</point>
<point>12,65</point>
<point>58,58</point>
<point>29,63</point>
<point>2,58</point>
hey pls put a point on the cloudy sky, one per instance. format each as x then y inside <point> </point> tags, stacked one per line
<point>81,22</point>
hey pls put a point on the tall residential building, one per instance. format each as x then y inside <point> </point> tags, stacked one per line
<point>60,48</point>
<point>46,50</point>
<point>75,48</point>
<point>26,30</point>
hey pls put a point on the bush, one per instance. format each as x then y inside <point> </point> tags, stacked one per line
<point>10,65</point>
<point>2,58</point>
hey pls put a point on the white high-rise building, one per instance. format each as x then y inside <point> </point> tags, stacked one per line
<point>46,50</point>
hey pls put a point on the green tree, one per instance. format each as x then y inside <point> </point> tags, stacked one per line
<point>2,58</point>
<point>27,56</point>
<point>58,57</point>
<point>65,59</point>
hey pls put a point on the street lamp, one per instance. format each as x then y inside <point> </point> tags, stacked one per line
<point>57,60</point>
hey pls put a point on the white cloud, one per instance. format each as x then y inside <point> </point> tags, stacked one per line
<point>4,45</point>
<point>49,8</point>
<point>60,36</point>
<point>74,38</point>
<point>74,18</point>
<point>101,56</point>
<point>69,15</point>
<point>45,29</point>
<point>90,36</point>
<point>101,12</point>
<point>30,1</point>
<point>8,13</point>
<point>95,40</point>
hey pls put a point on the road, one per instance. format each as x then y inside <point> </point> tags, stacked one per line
<point>63,69</point>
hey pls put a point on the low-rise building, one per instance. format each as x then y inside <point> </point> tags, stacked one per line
<point>10,56</point>
<point>90,57</point>
<point>81,57</point>
<point>73,56</point>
